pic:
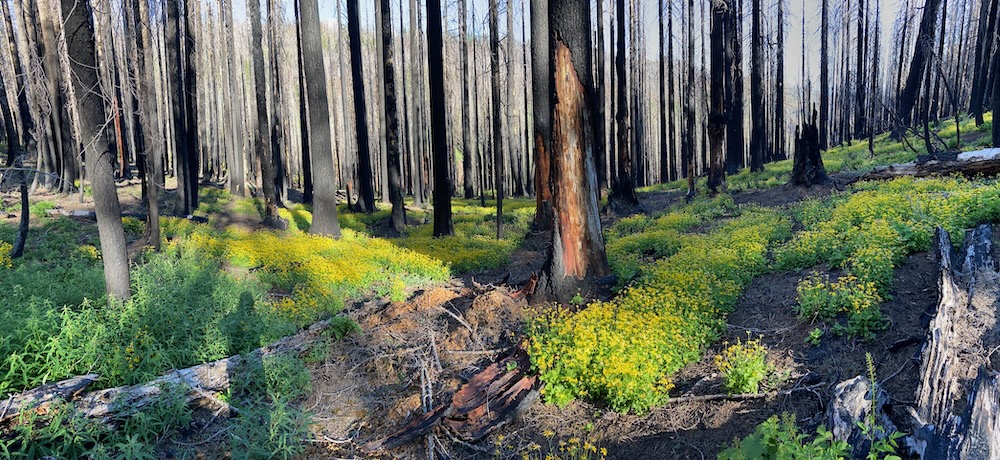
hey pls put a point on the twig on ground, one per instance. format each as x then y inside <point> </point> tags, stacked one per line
<point>740,397</point>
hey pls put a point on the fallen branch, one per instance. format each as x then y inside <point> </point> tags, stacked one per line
<point>742,396</point>
<point>44,395</point>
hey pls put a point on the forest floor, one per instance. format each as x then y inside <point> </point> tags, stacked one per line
<point>420,341</point>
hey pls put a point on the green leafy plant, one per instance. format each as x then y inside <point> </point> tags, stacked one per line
<point>814,337</point>
<point>743,366</point>
<point>882,445</point>
<point>780,439</point>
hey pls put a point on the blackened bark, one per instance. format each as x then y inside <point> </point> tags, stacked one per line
<point>236,164</point>
<point>467,150</point>
<point>600,120</point>
<point>577,258</point>
<point>824,77</point>
<point>717,107</point>
<point>177,102</point>
<point>671,114</point>
<point>366,188</point>
<point>277,106</point>
<point>23,109</point>
<point>734,93</point>
<point>307,182</point>
<point>981,64</point>
<point>758,135</point>
<point>541,113</point>
<point>271,217</point>
<point>79,30</point>
<point>148,143</point>
<point>623,197</point>
<point>807,168</point>
<point>395,174</point>
<point>664,149</point>
<point>320,149</point>
<point>860,88</point>
<point>996,98</point>
<point>15,159</point>
<point>498,178</point>
<point>439,135</point>
<point>779,89</point>
<point>925,39</point>
<point>191,50</point>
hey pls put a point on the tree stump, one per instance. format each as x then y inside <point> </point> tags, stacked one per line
<point>852,402</point>
<point>807,167</point>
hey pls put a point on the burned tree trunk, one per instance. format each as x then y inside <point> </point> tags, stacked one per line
<point>541,113</point>
<point>577,257</point>
<point>971,164</point>
<point>79,27</point>
<point>393,164</point>
<point>958,397</point>
<point>807,168</point>
<point>366,200</point>
<point>623,197</point>
<point>320,149</point>
<point>439,139</point>
<point>908,97</point>
<point>717,107</point>
<point>263,147</point>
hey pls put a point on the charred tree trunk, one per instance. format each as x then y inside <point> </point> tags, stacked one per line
<point>497,142</point>
<point>807,168</point>
<point>15,159</point>
<point>307,182</point>
<point>925,40</point>
<point>191,50</point>
<point>393,164</point>
<point>320,150</point>
<point>734,104</point>
<point>467,171</point>
<point>78,23</point>
<point>671,112</point>
<point>687,161</point>
<point>717,107</point>
<point>981,65</point>
<point>146,94</point>
<point>860,123</point>
<point>623,197</point>
<point>177,102</point>
<point>577,257</point>
<point>824,77</point>
<point>600,120</point>
<point>366,199</point>
<point>263,147</point>
<point>996,98</point>
<point>758,135</point>
<point>779,89</point>
<point>439,135</point>
<point>541,113</point>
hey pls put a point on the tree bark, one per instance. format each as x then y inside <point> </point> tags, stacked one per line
<point>981,65</point>
<point>758,136</point>
<point>824,77</point>
<point>395,174</point>
<point>467,172</point>
<point>807,167</point>
<point>577,258</point>
<point>191,50</point>
<point>498,178</point>
<point>366,198</point>
<point>236,163</point>
<point>79,27</point>
<point>307,181</point>
<point>320,150</point>
<point>623,197</point>
<point>263,147</point>
<point>779,89</point>
<point>907,98</point>
<point>734,100</point>
<point>541,113</point>
<point>152,155</point>
<point>439,136</point>
<point>717,108</point>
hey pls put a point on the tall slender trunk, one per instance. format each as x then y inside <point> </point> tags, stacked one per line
<point>981,65</point>
<point>263,147</point>
<point>79,27</point>
<point>758,136</point>
<point>925,39</point>
<point>824,77</point>
<point>463,38</point>
<point>439,138</point>
<point>717,107</point>
<point>664,150</point>
<point>622,186</point>
<point>779,88</point>
<point>600,119</point>
<point>734,119</point>
<point>366,200</point>
<point>307,183</point>
<point>541,113</point>
<point>393,165</point>
<point>497,143</point>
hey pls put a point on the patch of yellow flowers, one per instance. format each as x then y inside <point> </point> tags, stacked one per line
<point>624,351</point>
<point>5,260</point>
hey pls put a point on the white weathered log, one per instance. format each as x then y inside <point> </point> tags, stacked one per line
<point>43,395</point>
<point>957,404</point>
<point>200,383</point>
<point>985,162</point>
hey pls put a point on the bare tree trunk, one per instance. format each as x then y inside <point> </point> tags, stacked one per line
<point>623,195</point>
<point>442,182</point>
<point>577,258</point>
<point>860,87</point>
<point>366,200</point>
<point>15,159</point>
<point>319,149</point>
<point>79,27</point>
<point>688,164</point>
<point>907,98</point>
<point>734,103</point>
<point>984,43</point>
<point>146,140</point>
<point>717,110</point>
<point>779,89</point>
<point>758,136</point>
<point>467,172</point>
<point>824,78</point>
<point>191,49</point>
<point>497,143</point>
<point>395,175</point>
<point>264,156</point>
<point>541,113</point>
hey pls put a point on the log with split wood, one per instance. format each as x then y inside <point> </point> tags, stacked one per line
<point>956,413</point>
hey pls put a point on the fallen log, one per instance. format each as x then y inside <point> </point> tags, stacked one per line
<point>200,384</point>
<point>957,407</point>
<point>981,162</point>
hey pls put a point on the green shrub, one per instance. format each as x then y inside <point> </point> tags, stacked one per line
<point>743,367</point>
<point>780,439</point>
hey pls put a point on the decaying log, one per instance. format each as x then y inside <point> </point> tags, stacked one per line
<point>852,402</point>
<point>200,383</point>
<point>958,396</point>
<point>486,402</point>
<point>44,395</point>
<point>985,162</point>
